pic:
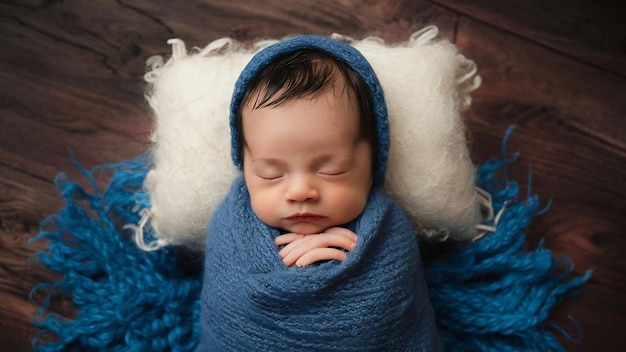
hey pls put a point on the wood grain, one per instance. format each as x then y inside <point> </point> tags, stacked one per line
<point>592,32</point>
<point>71,74</point>
<point>570,136</point>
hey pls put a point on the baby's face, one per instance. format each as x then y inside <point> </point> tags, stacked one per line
<point>305,165</point>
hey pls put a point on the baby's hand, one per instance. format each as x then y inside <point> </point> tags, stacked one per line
<point>305,250</point>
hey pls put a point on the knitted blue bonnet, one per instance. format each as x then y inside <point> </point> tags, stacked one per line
<point>341,51</point>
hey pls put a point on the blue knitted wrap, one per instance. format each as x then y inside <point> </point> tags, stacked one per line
<point>374,301</point>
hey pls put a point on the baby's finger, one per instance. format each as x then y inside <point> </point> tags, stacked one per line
<point>289,242</point>
<point>287,238</point>
<point>343,231</point>
<point>296,249</point>
<point>319,254</point>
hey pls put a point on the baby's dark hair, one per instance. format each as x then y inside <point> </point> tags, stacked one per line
<point>304,74</point>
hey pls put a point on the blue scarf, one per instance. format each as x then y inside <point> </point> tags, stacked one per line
<point>376,300</point>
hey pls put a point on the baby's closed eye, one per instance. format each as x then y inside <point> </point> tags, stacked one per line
<point>335,168</point>
<point>268,172</point>
<point>333,172</point>
<point>270,176</point>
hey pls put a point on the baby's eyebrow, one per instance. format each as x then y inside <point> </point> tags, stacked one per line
<point>333,158</point>
<point>271,161</point>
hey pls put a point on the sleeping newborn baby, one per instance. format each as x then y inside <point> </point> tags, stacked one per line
<point>307,252</point>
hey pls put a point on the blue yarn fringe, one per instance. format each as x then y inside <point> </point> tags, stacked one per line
<point>489,295</point>
<point>492,294</point>
<point>127,299</point>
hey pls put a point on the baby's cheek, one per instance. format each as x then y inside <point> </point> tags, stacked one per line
<point>349,202</point>
<point>263,207</point>
<point>257,204</point>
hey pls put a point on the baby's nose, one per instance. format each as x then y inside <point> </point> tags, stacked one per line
<point>302,189</point>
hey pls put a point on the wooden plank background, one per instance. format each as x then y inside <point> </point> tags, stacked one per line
<point>71,77</point>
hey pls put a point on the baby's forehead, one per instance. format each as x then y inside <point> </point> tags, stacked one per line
<point>326,113</point>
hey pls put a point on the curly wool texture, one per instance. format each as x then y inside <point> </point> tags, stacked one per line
<point>429,173</point>
<point>426,83</point>
<point>192,172</point>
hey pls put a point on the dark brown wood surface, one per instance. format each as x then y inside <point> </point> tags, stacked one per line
<point>71,77</point>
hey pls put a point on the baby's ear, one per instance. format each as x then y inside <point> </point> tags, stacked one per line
<point>427,85</point>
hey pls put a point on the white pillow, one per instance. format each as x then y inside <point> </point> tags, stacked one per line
<point>426,83</point>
